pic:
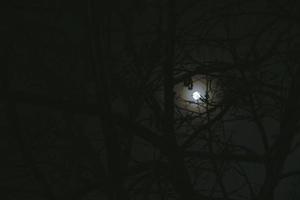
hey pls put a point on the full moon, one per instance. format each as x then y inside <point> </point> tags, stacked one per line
<point>196,95</point>
<point>195,98</point>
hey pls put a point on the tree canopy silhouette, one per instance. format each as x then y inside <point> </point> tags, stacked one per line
<point>90,109</point>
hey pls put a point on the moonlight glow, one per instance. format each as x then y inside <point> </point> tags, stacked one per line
<point>196,95</point>
<point>194,98</point>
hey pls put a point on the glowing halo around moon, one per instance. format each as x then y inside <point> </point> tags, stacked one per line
<point>195,98</point>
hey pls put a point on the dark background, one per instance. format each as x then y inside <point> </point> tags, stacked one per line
<point>87,107</point>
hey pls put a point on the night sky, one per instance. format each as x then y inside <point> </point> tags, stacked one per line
<point>150,100</point>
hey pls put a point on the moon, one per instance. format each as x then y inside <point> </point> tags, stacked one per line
<point>194,99</point>
<point>196,95</point>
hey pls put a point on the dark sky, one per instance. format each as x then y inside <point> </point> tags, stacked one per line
<point>83,85</point>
